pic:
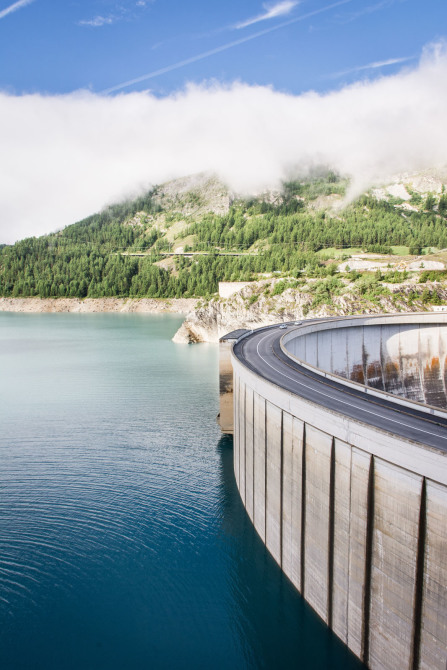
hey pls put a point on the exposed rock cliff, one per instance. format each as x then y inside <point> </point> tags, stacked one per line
<point>255,306</point>
<point>194,195</point>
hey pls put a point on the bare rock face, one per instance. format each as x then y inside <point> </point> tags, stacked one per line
<point>428,181</point>
<point>253,308</point>
<point>220,316</point>
<point>182,335</point>
<point>192,332</point>
<point>423,181</point>
<point>200,326</point>
<point>197,194</point>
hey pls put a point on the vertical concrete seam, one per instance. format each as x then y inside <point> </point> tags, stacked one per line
<point>253,452</point>
<point>234,415</point>
<point>349,548</point>
<point>241,432</point>
<point>303,513</point>
<point>236,422</point>
<point>368,564</point>
<point>238,428</point>
<point>265,471</point>
<point>245,445</point>
<point>281,499</point>
<point>419,580</point>
<point>255,396</point>
<point>331,532</point>
<point>241,425</point>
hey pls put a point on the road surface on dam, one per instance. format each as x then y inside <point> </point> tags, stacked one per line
<point>261,352</point>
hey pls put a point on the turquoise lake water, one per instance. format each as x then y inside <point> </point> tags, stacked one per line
<point>123,541</point>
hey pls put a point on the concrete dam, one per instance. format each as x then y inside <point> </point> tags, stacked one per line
<point>340,458</point>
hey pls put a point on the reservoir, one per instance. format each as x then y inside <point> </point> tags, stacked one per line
<point>123,541</point>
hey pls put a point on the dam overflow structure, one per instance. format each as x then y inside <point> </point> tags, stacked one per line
<point>340,458</point>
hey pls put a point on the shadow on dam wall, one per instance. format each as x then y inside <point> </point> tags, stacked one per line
<point>407,360</point>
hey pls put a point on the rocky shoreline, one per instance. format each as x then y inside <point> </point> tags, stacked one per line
<point>252,307</point>
<point>92,305</point>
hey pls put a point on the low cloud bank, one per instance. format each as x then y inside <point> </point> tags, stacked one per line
<point>65,157</point>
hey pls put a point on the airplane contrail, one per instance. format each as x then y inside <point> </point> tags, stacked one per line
<point>14,7</point>
<point>224,47</point>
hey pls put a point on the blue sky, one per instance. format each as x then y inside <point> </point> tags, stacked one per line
<point>59,47</point>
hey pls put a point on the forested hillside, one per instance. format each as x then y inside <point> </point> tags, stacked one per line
<point>285,232</point>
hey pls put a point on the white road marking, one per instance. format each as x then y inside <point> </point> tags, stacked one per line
<point>343,402</point>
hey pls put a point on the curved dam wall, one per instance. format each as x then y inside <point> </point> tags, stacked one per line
<point>407,359</point>
<point>355,517</point>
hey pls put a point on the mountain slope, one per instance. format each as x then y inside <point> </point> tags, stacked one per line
<point>180,239</point>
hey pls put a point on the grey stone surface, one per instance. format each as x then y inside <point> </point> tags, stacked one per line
<point>394,561</point>
<point>237,422</point>
<point>292,497</point>
<point>273,481</point>
<point>259,465</point>
<point>361,464</point>
<point>241,437</point>
<point>341,531</point>
<point>434,608</point>
<point>316,552</point>
<point>249,448</point>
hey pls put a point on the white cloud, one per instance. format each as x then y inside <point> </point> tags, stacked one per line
<point>120,13</point>
<point>14,7</point>
<point>271,12</point>
<point>98,21</point>
<point>66,157</point>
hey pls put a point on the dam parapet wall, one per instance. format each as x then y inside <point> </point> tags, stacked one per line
<point>355,516</point>
<point>407,359</point>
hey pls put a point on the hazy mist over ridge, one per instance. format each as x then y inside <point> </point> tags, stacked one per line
<point>65,157</point>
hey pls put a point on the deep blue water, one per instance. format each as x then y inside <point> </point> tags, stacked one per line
<point>123,541</point>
